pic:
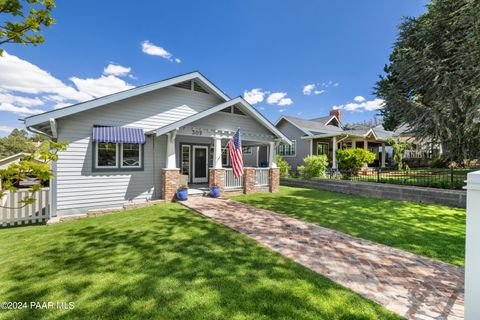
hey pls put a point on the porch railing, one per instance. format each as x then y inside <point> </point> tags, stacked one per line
<point>12,213</point>
<point>231,182</point>
<point>261,177</point>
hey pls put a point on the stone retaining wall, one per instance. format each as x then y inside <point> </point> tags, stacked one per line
<point>452,198</point>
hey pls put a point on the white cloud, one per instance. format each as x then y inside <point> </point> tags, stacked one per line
<point>101,86</point>
<point>22,111</point>
<point>359,99</point>
<point>254,96</point>
<point>116,70</point>
<point>307,89</point>
<point>22,76</point>
<point>19,100</point>
<point>279,98</point>
<point>318,91</point>
<point>285,102</point>
<point>154,50</point>
<point>370,105</point>
<point>281,110</point>
<point>336,84</point>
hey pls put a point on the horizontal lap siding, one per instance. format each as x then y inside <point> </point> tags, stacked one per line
<point>303,146</point>
<point>228,121</point>
<point>80,189</point>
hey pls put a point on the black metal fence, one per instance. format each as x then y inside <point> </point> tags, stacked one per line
<point>452,178</point>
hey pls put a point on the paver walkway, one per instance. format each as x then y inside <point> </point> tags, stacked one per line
<point>412,286</point>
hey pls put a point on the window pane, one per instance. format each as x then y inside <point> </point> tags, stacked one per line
<point>131,155</point>
<point>186,160</point>
<point>107,154</point>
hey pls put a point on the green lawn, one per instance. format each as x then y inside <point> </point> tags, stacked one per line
<point>163,262</point>
<point>429,230</point>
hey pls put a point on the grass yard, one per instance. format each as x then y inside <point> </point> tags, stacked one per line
<point>164,262</point>
<point>430,230</point>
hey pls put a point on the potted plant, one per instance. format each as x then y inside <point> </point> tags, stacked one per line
<point>182,193</point>
<point>215,190</point>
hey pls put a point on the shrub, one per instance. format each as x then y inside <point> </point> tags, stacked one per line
<point>284,167</point>
<point>352,160</point>
<point>438,162</point>
<point>314,166</point>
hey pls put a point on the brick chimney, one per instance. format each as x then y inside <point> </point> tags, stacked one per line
<point>337,113</point>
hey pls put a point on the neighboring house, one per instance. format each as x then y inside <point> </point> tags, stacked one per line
<point>7,161</point>
<point>138,144</point>
<point>422,149</point>
<point>325,135</point>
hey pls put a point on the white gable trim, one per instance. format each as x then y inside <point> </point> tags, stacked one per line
<point>308,133</point>
<point>334,117</point>
<point>83,106</point>
<point>239,100</point>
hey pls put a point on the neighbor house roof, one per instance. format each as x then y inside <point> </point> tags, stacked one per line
<point>98,102</point>
<point>313,127</point>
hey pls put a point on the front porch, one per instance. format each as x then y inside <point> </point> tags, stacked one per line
<point>329,144</point>
<point>199,158</point>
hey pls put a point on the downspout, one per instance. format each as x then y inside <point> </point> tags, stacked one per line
<point>154,193</point>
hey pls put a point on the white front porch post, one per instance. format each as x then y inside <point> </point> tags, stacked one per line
<point>354,143</point>
<point>272,153</point>
<point>365,144</point>
<point>472,248</point>
<point>383,155</point>
<point>171,159</point>
<point>334,153</point>
<point>217,154</point>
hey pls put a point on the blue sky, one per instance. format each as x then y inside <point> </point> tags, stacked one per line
<point>275,47</point>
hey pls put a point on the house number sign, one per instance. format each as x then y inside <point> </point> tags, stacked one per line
<point>197,132</point>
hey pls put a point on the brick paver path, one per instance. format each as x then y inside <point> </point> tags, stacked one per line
<point>412,286</point>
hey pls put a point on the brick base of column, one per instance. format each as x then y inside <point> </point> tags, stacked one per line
<point>274,179</point>
<point>217,176</point>
<point>248,180</point>
<point>170,183</point>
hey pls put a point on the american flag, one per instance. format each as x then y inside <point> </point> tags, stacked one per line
<point>236,154</point>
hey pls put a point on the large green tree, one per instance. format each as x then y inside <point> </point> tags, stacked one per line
<point>16,142</point>
<point>432,83</point>
<point>22,21</point>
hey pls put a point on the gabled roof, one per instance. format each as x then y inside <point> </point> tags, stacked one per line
<point>237,101</point>
<point>87,105</point>
<point>312,127</point>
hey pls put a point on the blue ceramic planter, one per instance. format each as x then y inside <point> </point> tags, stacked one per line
<point>182,195</point>
<point>215,192</point>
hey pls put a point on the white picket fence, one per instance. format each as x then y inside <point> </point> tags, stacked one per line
<point>13,213</point>
<point>231,182</point>
<point>261,177</point>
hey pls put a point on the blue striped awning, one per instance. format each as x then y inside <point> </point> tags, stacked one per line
<point>118,135</point>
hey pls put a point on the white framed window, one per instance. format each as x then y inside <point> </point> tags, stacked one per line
<point>131,155</point>
<point>322,148</point>
<point>106,155</point>
<point>286,150</point>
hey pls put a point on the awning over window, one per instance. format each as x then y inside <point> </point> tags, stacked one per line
<point>118,135</point>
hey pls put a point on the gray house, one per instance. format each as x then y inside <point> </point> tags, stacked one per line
<point>325,135</point>
<point>141,144</point>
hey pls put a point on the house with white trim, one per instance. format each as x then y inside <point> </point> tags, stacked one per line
<point>325,135</point>
<point>141,144</point>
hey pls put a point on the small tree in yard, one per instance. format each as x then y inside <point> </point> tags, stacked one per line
<point>283,166</point>
<point>399,149</point>
<point>29,166</point>
<point>352,160</point>
<point>22,21</point>
<point>315,166</point>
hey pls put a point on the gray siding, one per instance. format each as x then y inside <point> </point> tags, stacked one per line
<point>231,122</point>
<point>80,189</point>
<point>303,146</point>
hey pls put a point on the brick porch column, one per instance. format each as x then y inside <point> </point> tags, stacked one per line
<point>217,176</point>
<point>248,180</point>
<point>170,183</point>
<point>274,179</point>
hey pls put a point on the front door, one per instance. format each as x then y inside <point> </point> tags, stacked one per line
<point>200,164</point>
